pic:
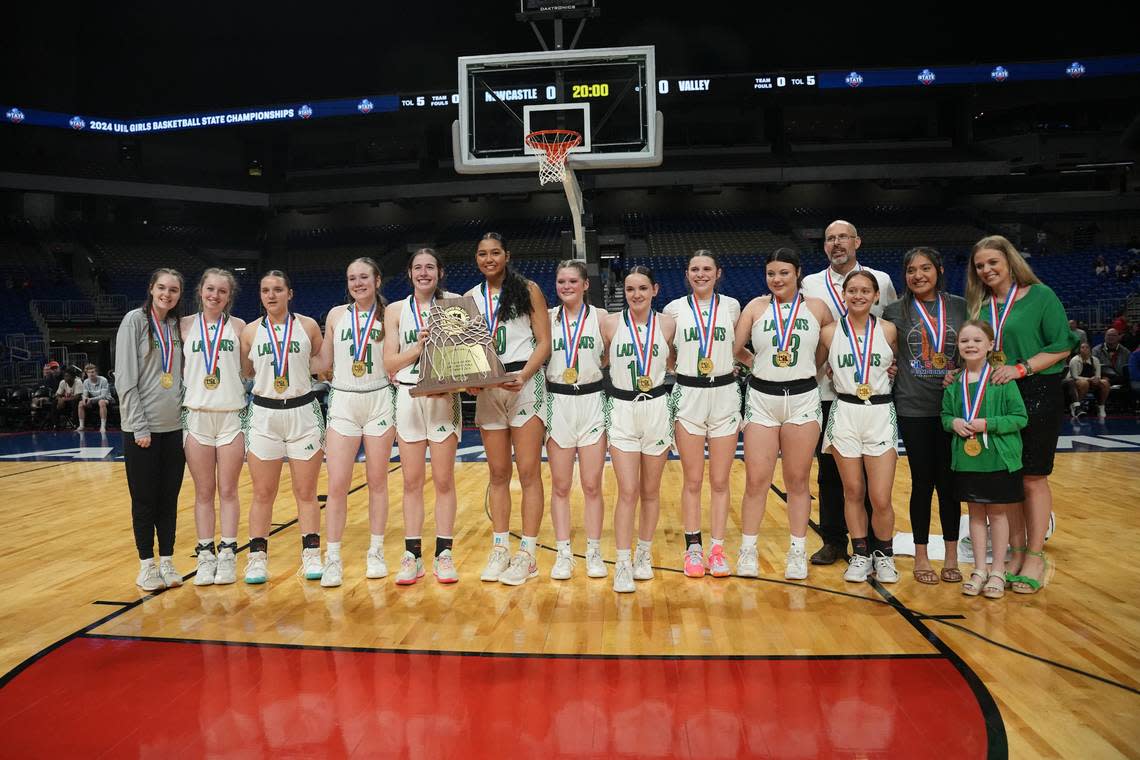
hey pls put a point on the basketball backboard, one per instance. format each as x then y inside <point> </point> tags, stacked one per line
<point>609,95</point>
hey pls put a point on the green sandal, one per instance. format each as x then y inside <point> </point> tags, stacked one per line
<point>1010,576</point>
<point>1025,584</point>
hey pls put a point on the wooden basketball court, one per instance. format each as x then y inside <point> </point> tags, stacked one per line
<point>730,667</point>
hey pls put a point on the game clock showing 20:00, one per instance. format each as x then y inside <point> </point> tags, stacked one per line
<point>590,90</point>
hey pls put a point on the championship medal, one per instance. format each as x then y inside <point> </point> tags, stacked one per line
<point>861,358</point>
<point>936,329</point>
<point>571,341</point>
<point>280,351</point>
<point>938,360</point>
<point>358,369</point>
<point>280,383</point>
<point>166,345</point>
<point>971,407</point>
<point>972,447</point>
<point>643,354</point>
<point>704,332</point>
<point>210,351</point>
<point>644,383</point>
<point>785,330</point>
<point>997,321</point>
<point>360,337</point>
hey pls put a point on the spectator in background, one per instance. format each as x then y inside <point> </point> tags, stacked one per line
<point>1085,373</point>
<point>52,375</point>
<point>1131,340</point>
<point>68,393</point>
<point>1100,266</point>
<point>1119,322</point>
<point>1075,326</point>
<point>1123,271</point>
<point>96,394</point>
<point>1113,358</point>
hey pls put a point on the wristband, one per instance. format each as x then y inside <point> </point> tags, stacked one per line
<point>1022,372</point>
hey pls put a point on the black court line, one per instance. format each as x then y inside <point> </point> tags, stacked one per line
<point>515,655</point>
<point>34,469</point>
<point>112,604</point>
<point>922,616</point>
<point>1038,658</point>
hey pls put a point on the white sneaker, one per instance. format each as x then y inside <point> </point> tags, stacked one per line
<point>331,573</point>
<point>858,569</point>
<point>257,568</point>
<point>311,564</point>
<point>207,568</point>
<point>443,567</point>
<point>795,567</point>
<point>623,578</point>
<point>642,565</point>
<point>377,567</point>
<point>522,568</point>
<point>497,562</point>
<point>411,569</point>
<point>103,427</point>
<point>748,562</point>
<point>149,578</point>
<point>595,565</point>
<point>885,570</point>
<point>78,428</point>
<point>170,577</point>
<point>1100,411</point>
<point>563,567</point>
<point>226,571</point>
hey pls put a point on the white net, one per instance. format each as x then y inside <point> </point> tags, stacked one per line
<point>554,144</point>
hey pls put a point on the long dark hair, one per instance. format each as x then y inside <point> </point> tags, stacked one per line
<point>273,273</point>
<point>171,315</point>
<point>787,256</point>
<point>645,272</point>
<point>935,258</point>
<point>514,297</point>
<point>438,265</point>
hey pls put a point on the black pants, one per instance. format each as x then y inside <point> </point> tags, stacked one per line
<point>154,476</point>
<point>832,521</point>
<point>928,453</point>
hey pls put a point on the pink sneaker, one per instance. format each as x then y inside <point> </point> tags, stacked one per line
<point>718,563</point>
<point>695,562</point>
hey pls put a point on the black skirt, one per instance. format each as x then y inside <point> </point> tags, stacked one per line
<point>1001,487</point>
<point>1044,404</point>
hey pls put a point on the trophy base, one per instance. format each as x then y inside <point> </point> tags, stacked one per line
<point>451,387</point>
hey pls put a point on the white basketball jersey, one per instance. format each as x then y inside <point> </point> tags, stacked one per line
<point>801,345</point>
<point>589,346</point>
<point>687,339</point>
<point>843,362</point>
<point>261,354</point>
<point>409,332</point>
<point>229,394</point>
<point>623,356</point>
<point>513,339</point>
<point>374,376</point>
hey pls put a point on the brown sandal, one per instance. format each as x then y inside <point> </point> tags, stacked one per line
<point>929,577</point>
<point>951,575</point>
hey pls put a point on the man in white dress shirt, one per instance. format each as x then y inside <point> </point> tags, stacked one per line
<point>840,242</point>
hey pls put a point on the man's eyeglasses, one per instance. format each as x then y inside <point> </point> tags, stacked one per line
<point>842,237</point>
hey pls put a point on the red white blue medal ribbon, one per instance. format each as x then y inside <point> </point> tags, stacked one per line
<point>210,351</point>
<point>492,316</point>
<point>997,321</point>
<point>416,319</point>
<point>280,350</point>
<point>165,342</point>
<point>784,330</point>
<point>704,331</point>
<point>937,332</point>
<point>971,406</point>
<point>643,354</point>
<point>360,337</point>
<point>862,358</point>
<point>570,342</point>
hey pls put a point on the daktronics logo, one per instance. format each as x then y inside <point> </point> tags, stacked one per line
<point>14,115</point>
<point>77,123</point>
<point>854,79</point>
<point>364,106</point>
<point>999,74</point>
<point>305,111</point>
<point>926,77</point>
<point>1075,70</point>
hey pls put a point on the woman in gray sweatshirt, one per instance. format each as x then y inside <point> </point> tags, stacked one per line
<point>148,376</point>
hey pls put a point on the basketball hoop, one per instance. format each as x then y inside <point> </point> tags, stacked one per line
<point>554,144</point>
